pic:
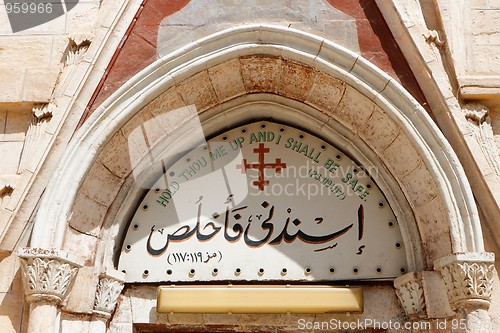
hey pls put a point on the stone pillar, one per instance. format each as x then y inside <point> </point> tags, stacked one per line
<point>469,282</point>
<point>109,288</point>
<point>47,275</point>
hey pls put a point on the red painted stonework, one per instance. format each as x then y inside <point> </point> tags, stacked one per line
<point>139,46</point>
<point>137,51</point>
<point>377,44</point>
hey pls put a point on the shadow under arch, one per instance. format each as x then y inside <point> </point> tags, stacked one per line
<point>439,165</point>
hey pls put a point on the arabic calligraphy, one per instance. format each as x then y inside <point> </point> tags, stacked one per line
<point>234,230</point>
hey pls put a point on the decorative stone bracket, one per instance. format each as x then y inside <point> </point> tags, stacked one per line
<point>109,288</point>
<point>410,292</point>
<point>47,274</point>
<point>468,278</point>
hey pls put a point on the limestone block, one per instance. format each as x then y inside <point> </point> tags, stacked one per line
<point>198,91</point>
<point>143,131</point>
<point>494,184</point>
<point>266,319</point>
<point>325,93</point>
<point>186,318</point>
<point>25,51</point>
<point>59,50</point>
<point>479,4</point>
<point>21,183</point>
<point>81,244</point>
<point>8,269</point>
<point>291,320</point>
<point>419,186</point>
<point>435,234</point>
<point>260,74</point>
<point>12,307</point>
<point>380,131</point>
<point>11,92</point>
<point>222,319</point>
<point>39,83</point>
<point>296,80</point>
<point>11,295</point>
<point>87,215</point>
<point>354,109</point>
<point>166,102</point>
<point>401,156</point>
<point>121,328</point>
<point>116,156</point>
<point>143,302</point>
<point>80,298</point>
<point>123,312</point>
<point>479,156</point>
<point>16,125</point>
<point>226,80</point>
<point>437,305</point>
<point>71,324</point>
<point>101,185</point>
<point>197,20</point>
<point>10,153</point>
<point>486,59</point>
<point>485,21</point>
<point>82,17</point>
<point>5,216</point>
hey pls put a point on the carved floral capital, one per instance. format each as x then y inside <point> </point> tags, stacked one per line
<point>411,294</point>
<point>108,290</point>
<point>46,273</point>
<point>468,278</point>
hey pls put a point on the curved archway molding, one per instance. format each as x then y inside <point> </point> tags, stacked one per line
<point>437,183</point>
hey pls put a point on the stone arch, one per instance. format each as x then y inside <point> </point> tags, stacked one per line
<point>339,89</point>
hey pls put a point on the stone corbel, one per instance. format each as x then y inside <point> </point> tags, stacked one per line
<point>476,113</point>
<point>432,36</point>
<point>410,292</point>
<point>6,188</point>
<point>468,278</point>
<point>110,286</point>
<point>47,274</point>
<point>42,111</point>
<point>77,46</point>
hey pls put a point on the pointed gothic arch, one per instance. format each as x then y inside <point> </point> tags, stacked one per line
<point>337,90</point>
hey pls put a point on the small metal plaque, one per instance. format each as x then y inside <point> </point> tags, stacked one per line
<point>263,202</point>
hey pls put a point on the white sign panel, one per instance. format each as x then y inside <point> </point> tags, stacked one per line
<point>263,202</point>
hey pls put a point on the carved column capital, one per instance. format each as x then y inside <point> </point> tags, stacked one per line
<point>468,278</point>
<point>410,292</point>
<point>47,274</point>
<point>109,288</point>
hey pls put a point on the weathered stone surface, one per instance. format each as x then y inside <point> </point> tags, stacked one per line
<point>101,185</point>
<point>401,156</point>
<point>380,130</point>
<point>296,80</point>
<point>226,80</point>
<point>198,91</point>
<point>354,109</point>
<point>260,74</point>
<point>82,244</point>
<point>116,157</point>
<point>87,216</point>
<point>325,93</point>
<point>419,186</point>
<point>435,235</point>
<point>81,298</point>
